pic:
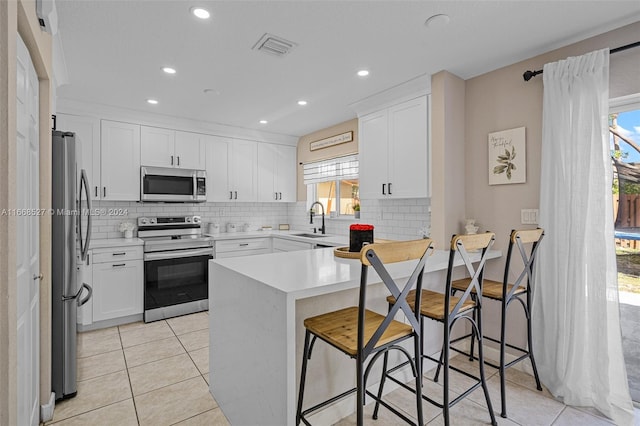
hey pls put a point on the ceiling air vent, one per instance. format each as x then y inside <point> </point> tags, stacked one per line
<point>274,45</point>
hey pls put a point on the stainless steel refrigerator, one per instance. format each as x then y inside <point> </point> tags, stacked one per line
<point>70,237</point>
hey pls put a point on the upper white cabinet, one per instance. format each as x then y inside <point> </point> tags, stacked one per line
<point>190,150</point>
<point>276,172</point>
<point>120,161</point>
<point>231,169</point>
<point>394,148</point>
<point>243,164</point>
<point>169,148</point>
<point>217,160</point>
<point>87,130</point>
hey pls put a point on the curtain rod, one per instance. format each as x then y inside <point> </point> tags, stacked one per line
<point>528,75</point>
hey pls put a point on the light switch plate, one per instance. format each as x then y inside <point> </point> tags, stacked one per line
<point>529,216</point>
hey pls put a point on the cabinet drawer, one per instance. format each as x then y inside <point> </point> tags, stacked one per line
<point>281,244</point>
<point>242,244</point>
<point>240,253</point>
<point>117,254</point>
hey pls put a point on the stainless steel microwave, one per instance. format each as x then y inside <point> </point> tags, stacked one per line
<point>169,185</point>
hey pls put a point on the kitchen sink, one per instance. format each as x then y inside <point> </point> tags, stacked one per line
<point>310,235</point>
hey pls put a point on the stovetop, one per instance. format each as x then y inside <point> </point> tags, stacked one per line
<point>172,233</point>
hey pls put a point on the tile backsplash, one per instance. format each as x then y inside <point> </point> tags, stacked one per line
<point>393,219</point>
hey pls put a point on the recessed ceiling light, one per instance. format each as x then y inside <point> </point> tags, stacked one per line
<point>363,73</point>
<point>169,70</point>
<point>200,12</point>
<point>302,103</point>
<point>152,101</point>
<point>263,121</point>
<point>437,21</point>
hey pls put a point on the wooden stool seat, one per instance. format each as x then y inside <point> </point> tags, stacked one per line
<point>340,329</point>
<point>432,303</point>
<point>491,289</point>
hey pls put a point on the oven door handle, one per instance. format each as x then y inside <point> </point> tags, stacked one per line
<point>174,254</point>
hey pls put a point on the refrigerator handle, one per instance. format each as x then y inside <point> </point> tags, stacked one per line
<point>87,297</point>
<point>84,246</point>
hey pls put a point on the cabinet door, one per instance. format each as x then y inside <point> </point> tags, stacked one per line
<point>120,161</point>
<point>190,150</point>
<point>87,130</point>
<point>157,147</point>
<point>286,178</point>
<point>408,149</point>
<point>217,167</point>
<point>242,170</point>
<point>373,155</point>
<point>266,164</point>
<point>117,289</point>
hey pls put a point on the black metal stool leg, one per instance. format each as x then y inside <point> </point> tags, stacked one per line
<point>481,367</point>
<point>383,378</point>
<point>444,355</point>
<point>303,375</point>
<point>503,390</point>
<point>418,362</point>
<point>360,390</point>
<point>530,342</point>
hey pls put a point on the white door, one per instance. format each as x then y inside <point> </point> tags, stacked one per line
<point>408,150</point>
<point>157,147</point>
<point>243,170</point>
<point>120,161</point>
<point>28,260</point>
<point>190,150</point>
<point>217,169</point>
<point>374,155</point>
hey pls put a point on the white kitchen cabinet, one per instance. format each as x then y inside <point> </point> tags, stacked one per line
<point>231,169</point>
<point>118,280</point>
<point>241,247</point>
<point>276,172</point>
<point>87,130</point>
<point>282,244</point>
<point>120,161</point>
<point>190,150</point>
<point>394,149</point>
<point>170,148</point>
<point>243,176</point>
<point>217,167</point>
<point>157,146</point>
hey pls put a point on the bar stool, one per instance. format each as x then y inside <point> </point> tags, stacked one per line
<point>448,309</point>
<point>506,293</point>
<point>362,334</point>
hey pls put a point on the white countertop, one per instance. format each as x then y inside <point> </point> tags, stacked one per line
<point>309,273</point>
<point>114,242</point>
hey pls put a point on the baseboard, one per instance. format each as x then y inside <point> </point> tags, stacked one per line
<point>46,411</point>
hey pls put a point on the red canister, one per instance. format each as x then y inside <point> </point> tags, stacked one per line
<point>358,235</point>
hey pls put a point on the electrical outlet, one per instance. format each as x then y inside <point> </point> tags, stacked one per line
<point>529,216</point>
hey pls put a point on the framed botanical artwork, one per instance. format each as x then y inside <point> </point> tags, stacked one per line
<point>507,157</point>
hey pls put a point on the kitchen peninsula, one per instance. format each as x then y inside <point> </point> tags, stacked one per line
<point>257,308</point>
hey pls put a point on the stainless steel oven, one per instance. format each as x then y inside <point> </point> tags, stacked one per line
<point>176,266</point>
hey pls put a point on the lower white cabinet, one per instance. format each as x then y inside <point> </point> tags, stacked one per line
<point>117,282</point>
<point>281,244</point>
<point>242,247</point>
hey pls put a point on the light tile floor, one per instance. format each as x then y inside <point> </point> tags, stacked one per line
<point>157,374</point>
<point>144,374</point>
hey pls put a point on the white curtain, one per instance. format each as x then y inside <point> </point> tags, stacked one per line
<point>576,323</point>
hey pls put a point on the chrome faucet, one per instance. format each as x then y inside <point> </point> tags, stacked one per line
<point>322,229</point>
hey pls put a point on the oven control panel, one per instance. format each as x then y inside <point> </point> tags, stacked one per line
<point>169,221</point>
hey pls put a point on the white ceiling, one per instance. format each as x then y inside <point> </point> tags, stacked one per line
<point>114,51</point>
